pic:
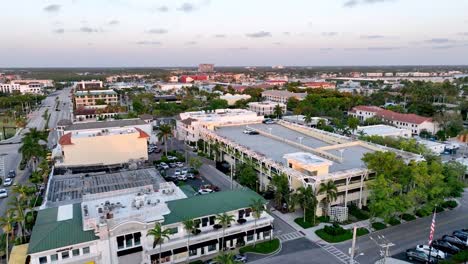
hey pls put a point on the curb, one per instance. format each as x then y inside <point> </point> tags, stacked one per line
<point>270,254</point>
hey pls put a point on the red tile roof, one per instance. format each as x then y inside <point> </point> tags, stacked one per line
<point>393,116</point>
<point>143,134</point>
<point>66,139</point>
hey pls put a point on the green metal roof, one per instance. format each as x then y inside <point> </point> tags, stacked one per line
<point>209,204</point>
<point>48,233</point>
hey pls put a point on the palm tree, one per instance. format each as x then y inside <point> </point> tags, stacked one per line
<point>165,131</point>
<point>158,235</point>
<point>278,111</point>
<point>36,135</point>
<point>281,184</point>
<point>224,220</point>
<point>307,118</point>
<point>31,149</point>
<point>17,206</point>
<point>330,191</point>
<point>258,208</point>
<point>353,123</point>
<point>189,226</point>
<point>306,200</point>
<point>225,258</point>
<point>7,223</point>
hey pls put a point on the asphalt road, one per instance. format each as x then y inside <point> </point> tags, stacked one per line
<point>408,235</point>
<point>10,151</point>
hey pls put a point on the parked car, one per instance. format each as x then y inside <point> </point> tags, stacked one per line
<point>8,182</point>
<point>445,246</point>
<point>180,164</point>
<point>11,174</point>
<point>455,241</point>
<point>463,236</point>
<point>240,258</point>
<point>3,193</point>
<point>204,191</point>
<point>171,158</point>
<point>177,172</point>
<point>211,187</point>
<point>434,252</point>
<point>413,254</point>
<point>182,177</point>
<point>164,165</point>
<point>184,170</point>
<point>190,175</point>
<point>172,165</point>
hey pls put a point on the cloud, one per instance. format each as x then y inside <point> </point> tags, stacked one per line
<point>59,31</point>
<point>438,40</point>
<point>157,31</point>
<point>189,43</point>
<point>146,42</point>
<point>286,33</point>
<point>350,3</point>
<point>52,8</point>
<point>277,43</point>
<point>239,48</point>
<point>114,22</point>
<point>326,49</point>
<point>372,37</point>
<point>463,33</point>
<point>162,9</point>
<point>219,36</point>
<point>444,47</point>
<point>354,3</point>
<point>89,30</point>
<point>329,34</point>
<point>383,48</point>
<point>259,34</point>
<point>187,7</point>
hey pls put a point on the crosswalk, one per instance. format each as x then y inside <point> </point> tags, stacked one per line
<point>336,252</point>
<point>290,236</point>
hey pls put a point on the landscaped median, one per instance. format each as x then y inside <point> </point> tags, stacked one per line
<point>266,247</point>
<point>335,233</point>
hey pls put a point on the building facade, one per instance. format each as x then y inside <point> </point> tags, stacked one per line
<point>22,88</point>
<point>266,108</point>
<point>281,96</point>
<point>92,98</point>
<point>88,85</point>
<point>112,227</point>
<point>206,67</point>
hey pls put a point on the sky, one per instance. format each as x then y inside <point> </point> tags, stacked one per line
<point>147,33</point>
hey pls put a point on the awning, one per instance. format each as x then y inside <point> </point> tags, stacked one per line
<point>203,244</point>
<point>263,229</point>
<point>250,232</point>
<point>163,255</point>
<point>231,237</point>
<point>179,250</point>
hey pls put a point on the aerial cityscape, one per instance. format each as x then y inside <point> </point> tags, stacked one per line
<point>223,132</point>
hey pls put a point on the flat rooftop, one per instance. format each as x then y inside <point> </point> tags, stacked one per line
<point>379,130</point>
<point>276,149</point>
<point>70,188</point>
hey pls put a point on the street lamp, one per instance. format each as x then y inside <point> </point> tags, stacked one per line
<point>269,129</point>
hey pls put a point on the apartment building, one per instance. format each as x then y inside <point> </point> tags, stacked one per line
<point>99,146</point>
<point>265,108</point>
<point>112,227</point>
<point>193,78</point>
<point>94,98</point>
<point>320,85</point>
<point>206,67</point>
<point>88,85</point>
<point>22,88</point>
<point>190,123</point>
<point>412,122</point>
<point>281,96</point>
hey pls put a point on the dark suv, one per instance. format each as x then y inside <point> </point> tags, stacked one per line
<point>11,174</point>
<point>413,254</point>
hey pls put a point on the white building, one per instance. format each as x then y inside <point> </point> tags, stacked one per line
<point>22,88</point>
<point>281,96</point>
<point>173,86</point>
<point>435,147</point>
<point>374,74</point>
<point>413,122</point>
<point>384,131</point>
<point>300,119</point>
<point>190,123</point>
<point>112,227</point>
<point>266,107</point>
<point>45,83</point>
<point>233,98</point>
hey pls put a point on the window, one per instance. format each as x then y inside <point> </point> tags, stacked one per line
<point>174,230</point>
<point>86,250</point>
<point>193,252</point>
<point>247,212</point>
<point>250,237</point>
<point>120,242</point>
<point>76,252</point>
<point>136,239</point>
<point>54,257</point>
<point>211,248</point>
<point>129,240</point>
<point>266,234</point>
<point>65,255</point>
<point>204,221</point>
<point>42,260</point>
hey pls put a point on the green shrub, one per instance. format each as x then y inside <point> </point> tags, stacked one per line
<point>408,217</point>
<point>266,247</point>
<point>362,231</point>
<point>335,230</point>
<point>393,221</point>
<point>358,213</point>
<point>422,212</point>
<point>333,238</point>
<point>306,224</point>
<point>449,204</point>
<point>324,219</point>
<point>379,225</point>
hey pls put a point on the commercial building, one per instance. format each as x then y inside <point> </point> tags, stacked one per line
<point>112,227</point>
<point>98,146</point>
<point>94,98</point>
<point>300,119</point>
<point>22,88</point>
<point>233,98</point>
<point>190,123</point>
<point>413,122</point>
<point>266,107</point>
<point>206,67</point>
<point>45,83</point>
<point>384,131</point>
<point>436,148</point>
<point>281,96</point>
<point>320,85</point>
<point>193,78</point>
<point>88,85</point>
<point>172,86</point>
<point>306,155</point>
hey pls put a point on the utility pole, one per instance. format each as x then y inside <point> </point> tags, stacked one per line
<point>353,245</point>
<point>384,245</point>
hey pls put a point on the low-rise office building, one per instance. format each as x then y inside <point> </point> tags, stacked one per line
<point>266,108</point>
<point>112,227</point>
<point>22,88</point>
<point>45,83</point>
<point>384,131</point>
<point>94,98</point>
<point>281,96</point>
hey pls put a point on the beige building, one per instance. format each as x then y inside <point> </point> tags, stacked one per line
<point>233,98</point>
<point>101,147</point>
<point>93,97</point>
<point>266,108</point>
<point>281,96</point>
